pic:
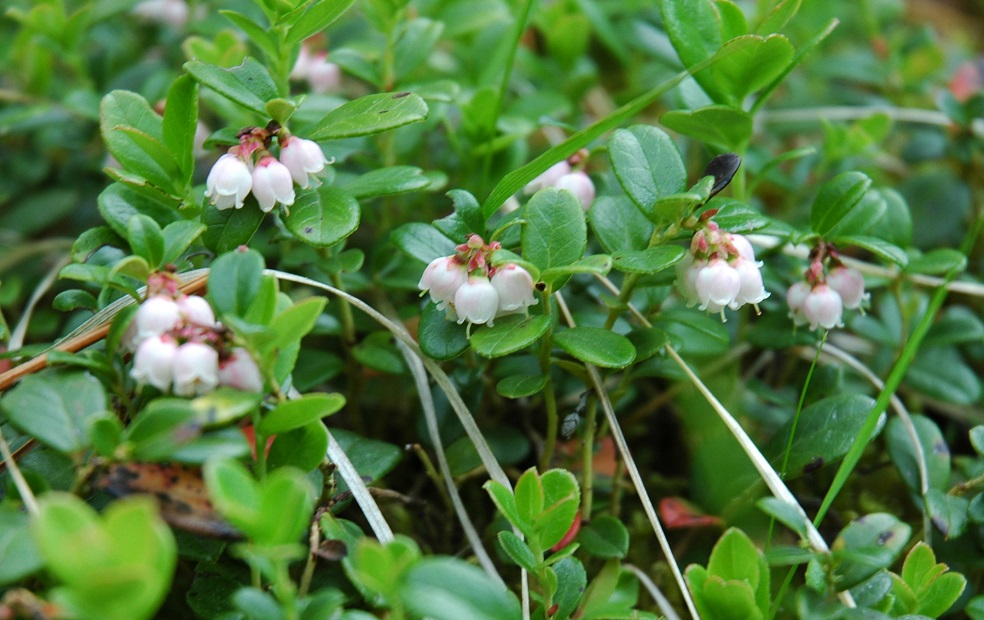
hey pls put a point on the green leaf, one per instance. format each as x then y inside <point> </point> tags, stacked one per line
<point>422,241</point>
<point>735,557</point>
<point>146,239</point>
<point>647,164</point>
<point>323,216</point>
<point>784,512</point>
<point>502,497</point>
<point>372,458</point>
<point>387,182</point>
<point>134,135</point>
<point>296,321</point>
<point>867,545</point>
<point>947,512</point>
<point>517,550</point>
<point>300,412</point>
<point>118,203</point>
<point>178,237</point>
<point>303,448</point>
<point>180,124</point>
<point>93,239</point>
<point>529,499</point>
<point>824,433</point>
<point>509,335</point>
<point>223,406</point>
<point>941,372</point>
<point>938,262</point>
<point>571,584</point>
<point>105,433</point>
<point>519,386</point>
<point>249,84</point>
<point>258,34</point>
<point>784,555</point>
<point>561,497</point>
<point>234,281</point>
<point>878,247</point>
<point>21,556</point>
<point>310,19</point>
<point>227,229</point>
<point>605,537</point>
<point>599,264</point>
<point>693,333</point>
<point>440,338</point>
<point>648,341</point>
<point>977,439</point>
<point>619,225</point>
<point>370,114</point>
<point>555,234</point>
<point>836,200</point>
<point>648,261</point>
<point>161,428</point>
<point>778,17</point>
<point>755,62</point>
<point>730,600</point>
<point>597,346</point>
<point>935,452</point>
<point>694,28</point>
<point>935,588</point>
<point>724,126</point>
<point>74,299</point>
<point>54,407</point>
<point>426,593</point>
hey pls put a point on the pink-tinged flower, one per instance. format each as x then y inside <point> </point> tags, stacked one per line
<point>241,372</point>
<point>228,182</point>
<point>272,184</point>
<point>579,184</point>
<point>196,310</point>
<point>686,271</point>
<point>752,290</point>
<point>795,297</point>
<point>476,301</point>
<point>155,316</point>
<point>717,285</point>
<point>744,247</point>
<point>196,369</point>
<point>202,133</point>
<point>442,278</point>
<point>849,284</point>
<point>153,362</point>
<point>323,76</point>
<point>303,159</point>
<point>514,286</point>
<point>301,65</point>
<point>823,307</point>
<point>548,178</point>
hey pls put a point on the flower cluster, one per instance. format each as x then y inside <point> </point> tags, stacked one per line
<point>321,75</point>
<point>720,271</point>
<point>180,347</point>
<point>569,175</point>
<point>820,299</point>
<point>471,289</point>
<point>249,166</point>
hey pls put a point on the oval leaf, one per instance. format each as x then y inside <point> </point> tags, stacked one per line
<point>596,346</point>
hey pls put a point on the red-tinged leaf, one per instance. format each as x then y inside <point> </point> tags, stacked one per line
<point>677,514</point>
<point>570,535</point>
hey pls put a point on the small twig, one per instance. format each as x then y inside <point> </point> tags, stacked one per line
<point>27,496</point>
<point>661,601</point>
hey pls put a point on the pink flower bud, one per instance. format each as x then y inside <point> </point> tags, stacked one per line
<point>196,310</point>
<point>752,290</point>
<point>795,297</point>
<point>303,158</point>
<point>153,362</point>
<point>548,178</point>
<point>717,285</point>
<point>823,307</point>
<point>155,316</point>
<point>196,369</point>
<point>228,183</point>
<point>241,372</point>
<point>514,286</point>
<point>579,184</point>
<point>272,184</point>
<point>442,278</point>
<point>476,301</point>
<point>849,284</point>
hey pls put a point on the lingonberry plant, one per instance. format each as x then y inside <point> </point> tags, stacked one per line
<point>491,309</point>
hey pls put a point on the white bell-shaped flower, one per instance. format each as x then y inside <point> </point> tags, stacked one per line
<point>228,182</point>
<point>514,286</point>
<point>153,362</point>
<point>849,284</point>
<point>823,307</point>
<point>476,301</point>
<point>441,278</point>
<point>304,158</point>
<point>196,369</point>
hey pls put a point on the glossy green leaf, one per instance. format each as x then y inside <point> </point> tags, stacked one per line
<point>517,550</point>
<point>619,225</point>
<point>370,114</point>
<point>93,239</point>
<point>836,200</point>
<point>425,592</point>
<point>372,458</point>
<point>941,372</point>
<point>300,412</point>
<point>778,17</point>
<point>529,498</point>
<point>311,18</point>
<point>161,428</point>
<point>134,135</point>
<point>224,406</point>
<point>519,386</point>
<point>724,126</point>
<point>21,556</point>
<point>694,333</point>
<point>649,261</point>
<point>737,217</point>
<point>938,262</point>
<point>648,166</point>
<point>935,453</point>
<point>947,512</point>
<point>867,545</point>
<point>227,229</point>
<point>323,216</point>
<point>74,299</point>
<point>555,233</point>
<point>234,281</point>
<point>824,433</point>
<point>561,499</point>
<point>571,584</point>
<point>387,182</point>
<point>303,448</point>
<point>249,84</point>
<point>178,237</point>
<point>694,28</point>
<point>180,124</point>
<point>936,588</point>
<point>146,239</point>
<point>422,241</point>
<point>440,338</point>
<point>54,407</point>
<point>597,346</point>
<point>260,35</point>
<point>784,512</point>
<point>605,537</point>
<point>509,334</point>
<point>599,264</point>
<point>752,65</point>
<point>118,203</point>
